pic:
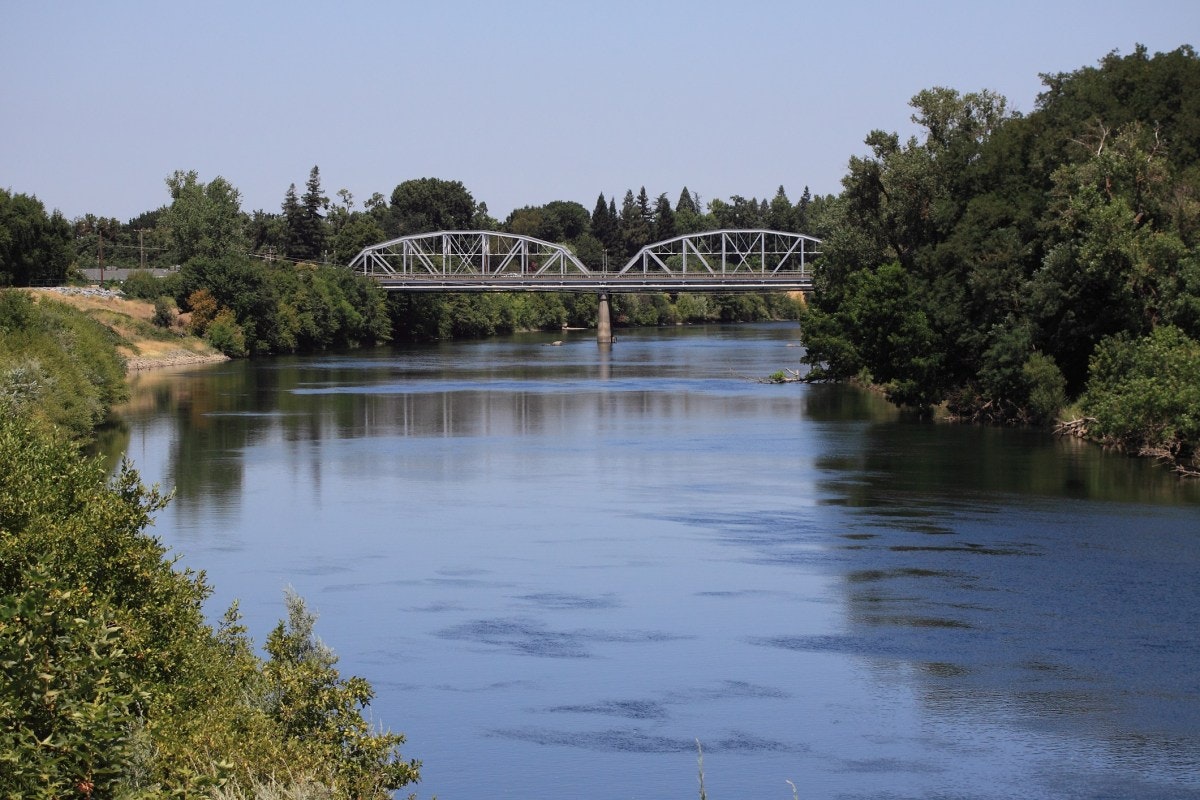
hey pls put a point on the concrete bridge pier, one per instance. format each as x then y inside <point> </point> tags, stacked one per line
<point>604,321</point>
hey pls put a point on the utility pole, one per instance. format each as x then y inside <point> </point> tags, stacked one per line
<point>141,249</point>
<point>100,233</point>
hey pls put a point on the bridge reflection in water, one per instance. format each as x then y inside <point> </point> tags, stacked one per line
<point>489,261</point>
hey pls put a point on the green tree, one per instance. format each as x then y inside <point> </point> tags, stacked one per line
<point>292,222</point>
<point>1117,261</point>
<point>115,686</point>
<point>688,203</point>
<point>635,222</point>
<point>801,211</point>
<point>35,247</point>
<point>664,219</point>
<point>738,213</point>
<point>689,217</point>
<point>605,226</point>
<point>427,205</point>
<point>267,233</point>
<point>359,231</point>
<point>878,331</point>
<point>306,228</point>
<point>241,285</point>
<point>781,216</point>
<point>204,220</point>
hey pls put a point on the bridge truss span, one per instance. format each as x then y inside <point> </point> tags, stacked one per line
<point>732,253</point>
<point>492,261</point>
<point>449,256</point>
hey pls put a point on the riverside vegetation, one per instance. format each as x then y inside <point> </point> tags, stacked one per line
<point>115,685</point>
<point>990,268</point>
<point>1015,269</point>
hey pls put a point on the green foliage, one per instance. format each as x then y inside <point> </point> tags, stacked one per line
<point>359,231</point>
<point>142,285</point>
<point>1144,393</point>
<point>204,220</point>
<point>1047,387</point>
<point>57,364</point>
<point>114,684</point>
<point>1026,240</point>
<point>425,205</point>
<point>68,690</point>
<point>604,227</point>
<point>737,213</point>
<point>557,221</point>
<point>304,226</point>
<point>881,328</point>
<point>164,312</point>
<point>35,247</point>
<point>312,705</point>
<point>324,307</point>
<point>224,333</point>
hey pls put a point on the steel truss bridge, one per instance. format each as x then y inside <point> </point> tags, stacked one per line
<point>488,261</point>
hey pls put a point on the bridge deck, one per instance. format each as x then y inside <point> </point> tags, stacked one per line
<point>611,282</point>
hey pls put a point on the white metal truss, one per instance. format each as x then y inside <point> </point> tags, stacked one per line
<point>728,252</point>
<point>489,261</point>
<point>467,254</point>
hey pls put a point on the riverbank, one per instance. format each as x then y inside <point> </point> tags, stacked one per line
<point>143,345</point>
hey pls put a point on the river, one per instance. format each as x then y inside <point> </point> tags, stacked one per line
<point>562,566</point>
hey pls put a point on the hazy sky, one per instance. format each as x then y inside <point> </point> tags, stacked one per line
<point>524,102</point>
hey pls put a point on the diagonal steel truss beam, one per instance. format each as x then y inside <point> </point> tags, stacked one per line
<point>448,254</point>
<point>728,252</point>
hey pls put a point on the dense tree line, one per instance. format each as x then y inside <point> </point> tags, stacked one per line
<point>273,282</point>
<point>1002,264</point>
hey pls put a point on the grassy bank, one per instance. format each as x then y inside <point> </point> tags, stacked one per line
<point>140,342</point>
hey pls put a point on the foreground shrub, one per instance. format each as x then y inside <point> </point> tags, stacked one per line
<point>114,685</point>
<point>1145,394</point>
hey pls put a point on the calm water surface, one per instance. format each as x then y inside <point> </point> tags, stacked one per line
<point>560,567</point>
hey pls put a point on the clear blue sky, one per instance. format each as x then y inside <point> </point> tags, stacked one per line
<point>524,102</point>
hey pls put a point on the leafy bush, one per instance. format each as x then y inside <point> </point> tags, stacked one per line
<point>164,312</point>
<point>1047,387</point>
<point>1145,393</point>
<point>114,684</point>
<point>142,285</point>
<point>224,333</point>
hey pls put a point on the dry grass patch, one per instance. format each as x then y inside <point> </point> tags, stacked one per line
<point>144,345</point>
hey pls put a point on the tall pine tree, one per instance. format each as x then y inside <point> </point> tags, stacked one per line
<point>664,218</point>
<point>291,223</point>
<point>312,223</point>
<point>604,225</point>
